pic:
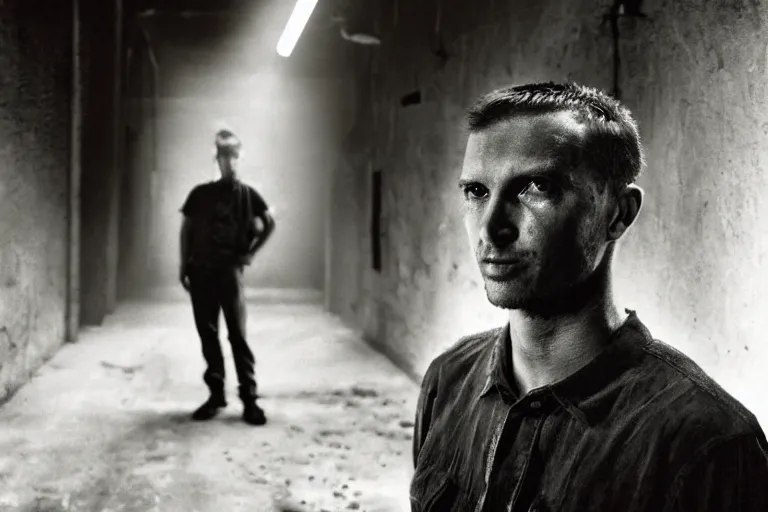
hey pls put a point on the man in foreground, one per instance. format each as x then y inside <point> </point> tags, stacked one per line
<point>571,406</point>
<point>219,236</point>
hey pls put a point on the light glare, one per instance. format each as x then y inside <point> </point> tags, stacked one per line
<point>295,26</point>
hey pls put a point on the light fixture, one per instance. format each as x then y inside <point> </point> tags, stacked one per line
<point>365,39</point>
<point>356,37</point>
<point>295,26</point>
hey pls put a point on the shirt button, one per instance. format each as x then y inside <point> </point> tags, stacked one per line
<point>535,404</point>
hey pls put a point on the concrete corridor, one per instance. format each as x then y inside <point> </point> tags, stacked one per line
<point>104,426</point>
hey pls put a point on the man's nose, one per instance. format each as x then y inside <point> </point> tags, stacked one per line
<point>500,224</point>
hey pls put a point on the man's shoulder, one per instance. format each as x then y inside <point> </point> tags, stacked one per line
<point>463,354</point>
<point>202,187</point>
<point>699,402</point>
<point>253,190</point>
<point>243,186</point>
<point>192,203</point>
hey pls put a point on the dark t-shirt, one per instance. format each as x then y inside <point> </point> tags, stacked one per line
<point>220,221</point>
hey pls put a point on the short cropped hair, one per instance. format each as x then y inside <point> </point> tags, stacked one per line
<point>227,143</point>
<point>612,146</point>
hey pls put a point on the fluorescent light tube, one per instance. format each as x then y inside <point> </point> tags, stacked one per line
<point>295,26</point>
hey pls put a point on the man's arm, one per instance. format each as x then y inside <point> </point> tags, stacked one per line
<point>186,233</point>
<point>423,418</point>
<point>264,217</point>
<point>268,226</point>
<point>730,476</point>
<point>186,210</point>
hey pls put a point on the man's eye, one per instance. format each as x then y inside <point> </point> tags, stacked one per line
<point>475,191</point>
<point>538,185</point>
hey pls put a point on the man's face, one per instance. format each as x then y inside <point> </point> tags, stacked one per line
<point>536,219</point>
<point>227,164</point>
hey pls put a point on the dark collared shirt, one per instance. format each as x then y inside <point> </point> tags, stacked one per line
<point>641,428</point>
<point>221,213</point>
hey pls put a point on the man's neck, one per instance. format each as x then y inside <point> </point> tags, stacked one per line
<point>549,348</point>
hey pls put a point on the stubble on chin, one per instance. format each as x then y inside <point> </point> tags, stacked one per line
<point>509,295</point>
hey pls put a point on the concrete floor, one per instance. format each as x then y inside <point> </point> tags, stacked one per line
<point>104,425</point>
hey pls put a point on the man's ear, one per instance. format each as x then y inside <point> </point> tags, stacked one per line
<point>626,208</point>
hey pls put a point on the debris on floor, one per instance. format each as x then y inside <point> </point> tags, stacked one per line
<point>104,426</point>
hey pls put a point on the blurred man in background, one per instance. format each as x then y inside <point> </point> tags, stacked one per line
<point>225,223</point>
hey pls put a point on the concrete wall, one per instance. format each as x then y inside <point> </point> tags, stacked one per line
<point>139,159</point>
<point>35,60</point>
<point>694,73</point>
<point>100,180</point>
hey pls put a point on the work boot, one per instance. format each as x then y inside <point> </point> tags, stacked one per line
<point>253,414</point>
<point>210,408</point>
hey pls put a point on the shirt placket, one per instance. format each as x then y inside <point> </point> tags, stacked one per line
<point>524,444</point>
<point>500,410</point>
<point>530,430</point>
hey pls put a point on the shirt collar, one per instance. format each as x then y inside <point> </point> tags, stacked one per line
<point>232,182</point>
<point>497,366</point>
<point>582,394</point>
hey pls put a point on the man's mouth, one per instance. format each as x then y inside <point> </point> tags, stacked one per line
<point>500,268</point>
